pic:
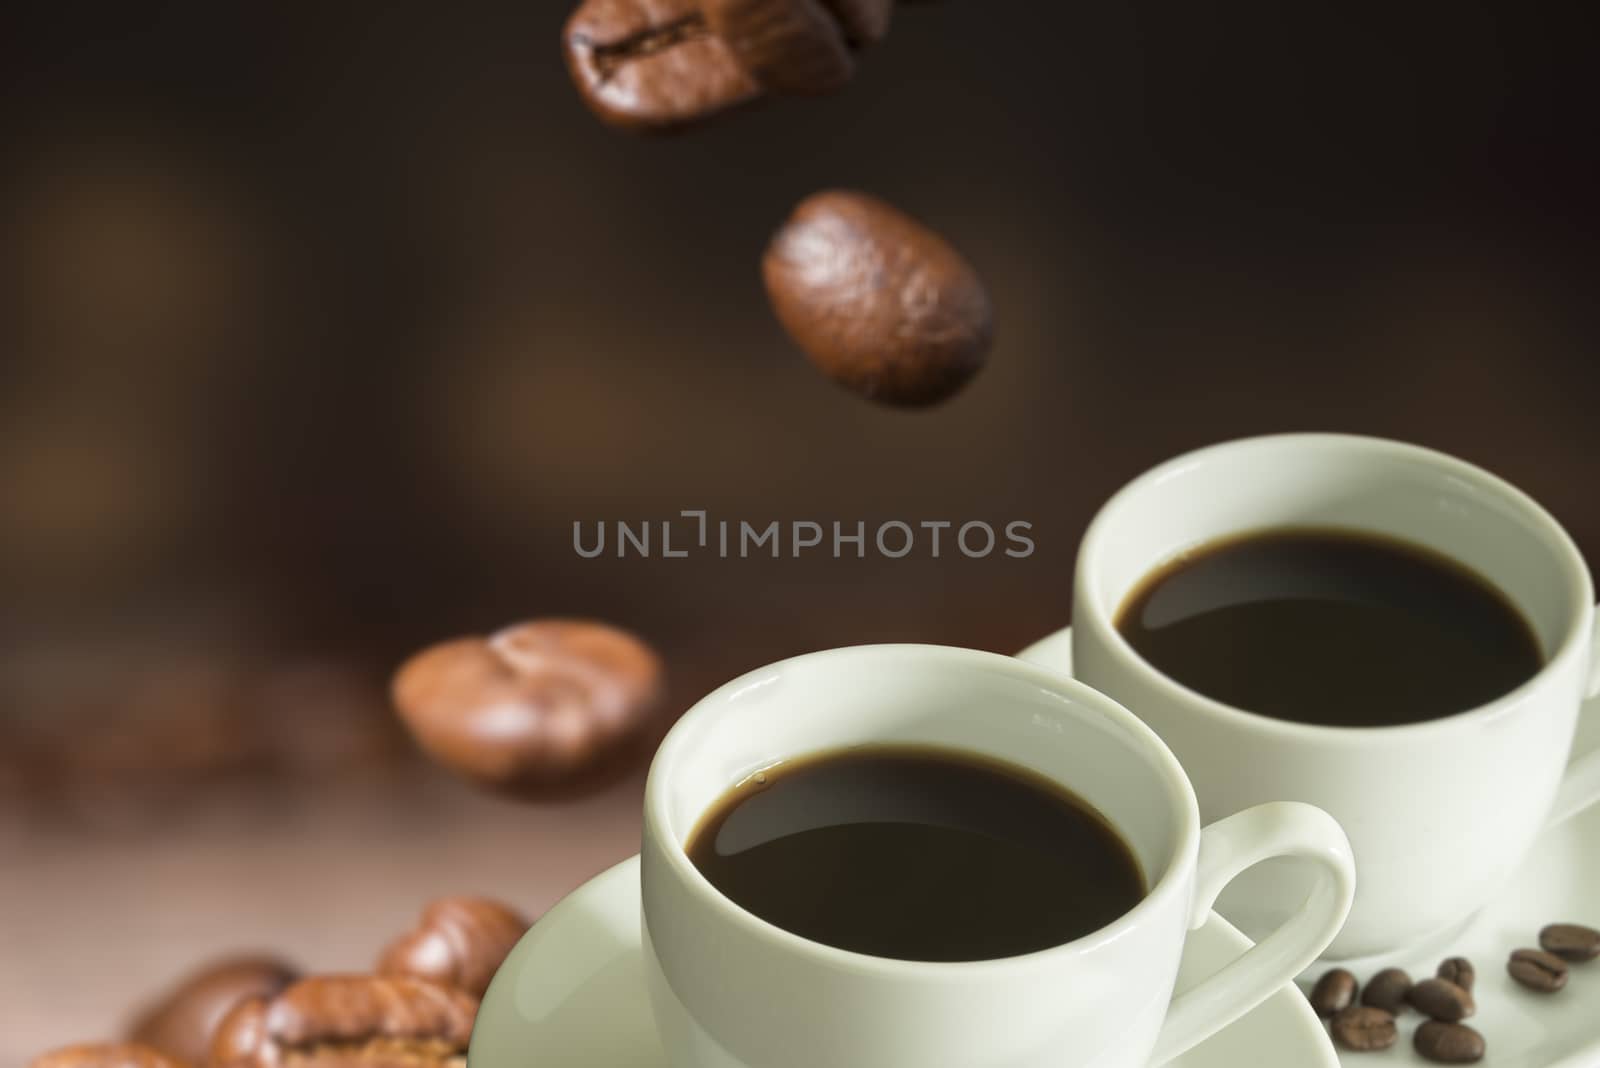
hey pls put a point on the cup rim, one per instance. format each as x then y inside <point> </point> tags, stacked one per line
<point>1182,805</point>
<point>1570,647</point>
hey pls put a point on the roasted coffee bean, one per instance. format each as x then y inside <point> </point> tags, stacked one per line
<point>1387,990</point>
<point>1442,1000</point>
<point>865,22</point>
<point>460,942</point>
<point>1364,1028</point>
<point>184,1021</point>
<point>1448,1043</point>
<point>1334,992</point>
<point>552,708</point>
<point>652,64</point>
<point>107,1055</point>
<point>1459,970</point>
<point>1537,970</point>
<point>350,1021</point>
<point>879,302</point>
<point>241,1039</point>
<point>789,46</point>
<point>1571,942</point>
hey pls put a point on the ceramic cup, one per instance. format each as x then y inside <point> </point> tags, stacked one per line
<point>730,990</point>
<point>1441,812</point>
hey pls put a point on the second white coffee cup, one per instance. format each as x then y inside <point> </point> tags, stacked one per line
<point>730,990</point>
<point>1441,812</point>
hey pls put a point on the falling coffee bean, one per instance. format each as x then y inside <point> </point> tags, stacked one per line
<point>652,64</point>
<point>1364,1029</point>
<point>1448,1043</point>
<point>1538,970</point>
<point>459,941</point>
<point>879,302</point>
<point>789,46</point>
<point>1458,970</point>
<point>107,1055</point>
<point>1387,990</point>
<point>546,709</point>
<point>1441,1000</point>
<point>349,1021</point>
<point>184,1021</point>
<point>1334,992</point>
<point>1571,942</point>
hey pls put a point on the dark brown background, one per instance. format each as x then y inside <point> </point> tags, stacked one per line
<point>319,329</point>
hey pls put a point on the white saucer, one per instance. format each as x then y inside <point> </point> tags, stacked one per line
<point>572,994</point>
<point>1559,883</point>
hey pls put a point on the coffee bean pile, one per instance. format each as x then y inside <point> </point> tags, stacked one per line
<point>416,1008</point>
<point>1363,1019</point>
<point>1371,1024</point>
<point>652,65</point>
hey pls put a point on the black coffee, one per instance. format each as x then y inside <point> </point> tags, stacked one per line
<point>916,854</point>
<point>1331,627</point>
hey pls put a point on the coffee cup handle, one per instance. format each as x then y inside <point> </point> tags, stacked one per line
<point>1228,847</point>
<point>1580,786</point>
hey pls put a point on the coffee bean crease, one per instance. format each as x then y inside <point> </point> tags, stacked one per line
<point>1459,970</point>
<point>1538,970</point>
<point>1364,1028</point>
<point>609,56</point>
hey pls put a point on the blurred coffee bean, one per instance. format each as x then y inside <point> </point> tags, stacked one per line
<point>1537,970</point>
<point>107,1055</point>
<point>460,942</point>
<point>789,46</point>
<point>1387,990</point>
<point>1449,1043</point>
<point>879,302</point>
<point>652,64</point>
<point>1364,1029</point>
<point>349,1021</point>
<point>114,731</point>
<point>1441,1000</point>
<point>865,22</point>
<point>1334,992</point>
<point>1571,942</point>
<point>539,710</point>
<point>184,1022</point>
<point>1459,970</point>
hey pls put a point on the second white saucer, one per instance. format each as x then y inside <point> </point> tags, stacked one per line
<point>1556,884</point>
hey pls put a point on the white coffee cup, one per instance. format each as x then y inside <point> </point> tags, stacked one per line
<point>1440,812</point>
<point>730,990</point>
